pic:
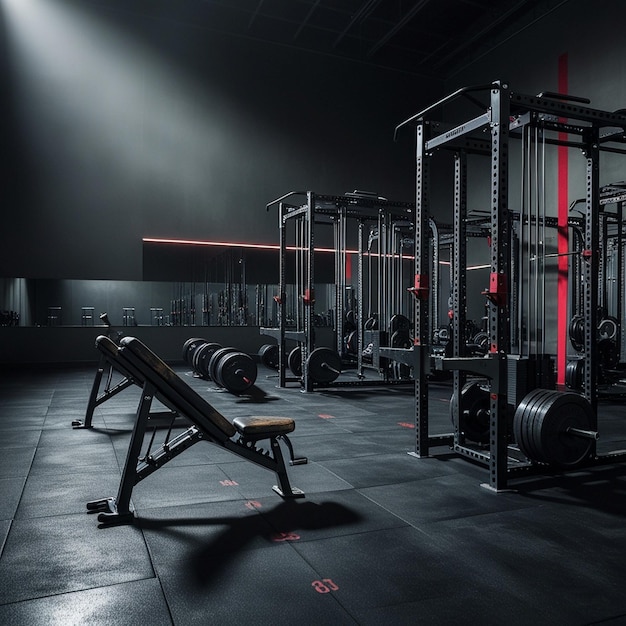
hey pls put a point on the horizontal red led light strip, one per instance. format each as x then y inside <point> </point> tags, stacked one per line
<point>270,246</point>
<point>223,244</point>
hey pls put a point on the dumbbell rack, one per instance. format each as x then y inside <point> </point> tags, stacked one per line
<point>504,111</point>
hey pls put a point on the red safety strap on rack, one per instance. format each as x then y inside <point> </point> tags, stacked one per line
<point>309,297</point>
<point>421,288</point>
<point>497,292</point>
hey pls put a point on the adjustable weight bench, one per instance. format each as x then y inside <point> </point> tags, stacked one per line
<point>109,362</point>
<point>207,424</point>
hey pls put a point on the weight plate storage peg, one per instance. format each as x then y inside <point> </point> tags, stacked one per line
<point>608,327</point>
<point>474,413</point>
<point>555,427</point>
<point>324,365</point>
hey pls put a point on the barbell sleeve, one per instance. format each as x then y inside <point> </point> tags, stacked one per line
<point>580,432</point>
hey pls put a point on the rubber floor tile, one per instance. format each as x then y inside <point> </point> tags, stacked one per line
<point>383,568</point>
<point>321,516</point>
<point>139,602</point>
<point>11,490</point>
<point>182,486</point>
<point>214,532</point>
<point>46,495</point>
<point>385,469</point>
<point>566,565</point>
<point>336,445</point>
<point>441,498</point>
<point>254,481</point>
<point>270,586</point>
<point>68,436</point>
<point>5,526</point>
<point>21,425</point>
<point>61,459</point>
<point>16,461</point>
<point>59,554</point>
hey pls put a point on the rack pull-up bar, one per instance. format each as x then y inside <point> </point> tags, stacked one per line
<point>463,91</point>
<point>287,195</point>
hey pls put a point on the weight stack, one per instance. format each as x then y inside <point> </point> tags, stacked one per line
<point>526,374</point>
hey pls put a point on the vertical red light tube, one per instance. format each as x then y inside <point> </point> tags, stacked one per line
<point>563,234</point>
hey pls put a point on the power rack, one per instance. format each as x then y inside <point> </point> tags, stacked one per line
<point>552,428</point>
<point>383,227</point>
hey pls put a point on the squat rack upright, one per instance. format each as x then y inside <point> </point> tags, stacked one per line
<point>490,134</point>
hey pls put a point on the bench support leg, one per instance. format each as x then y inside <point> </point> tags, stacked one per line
<point>117,510</point>
<point>284,488</point>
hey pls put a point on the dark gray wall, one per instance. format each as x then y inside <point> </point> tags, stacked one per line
<point>122,124</point>
<point>589,34</point>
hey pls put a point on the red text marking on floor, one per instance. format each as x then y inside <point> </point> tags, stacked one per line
<point>406,424</point>
<point>325,416</point>
<point>253,504</point>
<point>326,585</point>
<point>285,537</point>
<point>228,483</point>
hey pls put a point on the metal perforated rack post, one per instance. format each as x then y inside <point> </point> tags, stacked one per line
<point>505,110</point>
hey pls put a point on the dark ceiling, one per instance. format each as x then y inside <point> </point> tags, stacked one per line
<point>424,37</point>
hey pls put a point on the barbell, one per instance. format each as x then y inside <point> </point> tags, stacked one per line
<point>189,347</point>
<point>229,368</point>
<point>201,359</point>
<point>294,361</point>
<point>473,411</point>
<point>323,364</point>
<point>235,371</point>
<point>269,355</point>
<point>555,427</point>
<point>550,426</point>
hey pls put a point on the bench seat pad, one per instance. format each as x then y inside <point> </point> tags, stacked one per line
<point>264,426</point>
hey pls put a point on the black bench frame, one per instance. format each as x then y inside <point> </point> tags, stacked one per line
<point>208,424</point>
<point>109,362</point>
